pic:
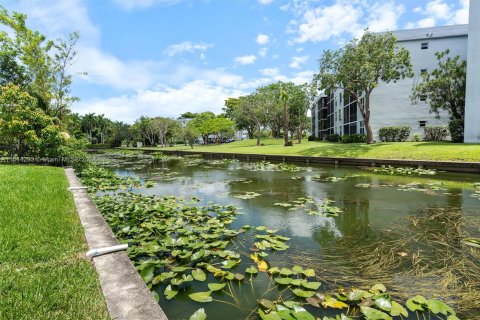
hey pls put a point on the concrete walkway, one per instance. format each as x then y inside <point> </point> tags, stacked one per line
<point>126,294</point>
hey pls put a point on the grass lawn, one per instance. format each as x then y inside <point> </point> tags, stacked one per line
<point>42,272</point>
<point>444,151</point>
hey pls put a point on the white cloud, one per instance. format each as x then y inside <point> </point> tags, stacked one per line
<point>58,17</point>
<point>167,101</point>
<point>342,19</point>
<point>270,72</point>
<point>323,23</point>
<point>265,2</point>
<point>461,14</point>
<point>262,39</point>
<point>186,46</point>
<point>440,12</point>
<point>248,59</point>
<point>298,61</point>
<point>263,52</point>
<point>383,16</point>
<point>142,4</point>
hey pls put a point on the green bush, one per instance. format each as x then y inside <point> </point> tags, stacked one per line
<point>394,133</point>
<point>333,137</point>
<point>98,146</point>
<point>435,133</point>
<point>416,138</point>
<point>456,128</point>
<point>354,138</point>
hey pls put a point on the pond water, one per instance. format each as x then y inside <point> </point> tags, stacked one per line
<point>403,231</point>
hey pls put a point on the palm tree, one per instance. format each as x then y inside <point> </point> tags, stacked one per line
<point>89,122</point>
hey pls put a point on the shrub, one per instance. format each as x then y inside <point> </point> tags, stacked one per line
<point>394,133</point>
<point>435,133</point>
<point>333,137</point>
<point>456,128</point>
<point>98,146</point>
<point>354,138</point>
<point>311,138</point>
<point>416,138</point>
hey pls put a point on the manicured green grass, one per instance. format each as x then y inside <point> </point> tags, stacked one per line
<point>42,272</point>
<point>442,151</point>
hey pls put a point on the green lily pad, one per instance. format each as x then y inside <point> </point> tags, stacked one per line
<point>199,315</point>
<point>311,285</point>
<point>398,309</point>
<point>437,306</point>
<point>302,293</point>
<point>251,270</point>
<point>374,314</point>
<point>383,303</point>
<point>267,304</point>
<point>309,273</point>
<point>169,292</point>
<point>147,273</point>
<point>283,281</point>
<point>199,275</point>
<point>301,314</point>
<point>216,286</point>
<point>201,296</point>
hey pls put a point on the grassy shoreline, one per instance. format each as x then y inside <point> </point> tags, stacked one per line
<point>436,151</point>
<point>43,274</point>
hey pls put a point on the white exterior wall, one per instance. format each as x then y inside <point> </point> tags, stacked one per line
<point>391,104</point>
<point>472,103</point>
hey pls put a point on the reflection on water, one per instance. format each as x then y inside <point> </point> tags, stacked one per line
<point>403,231</point>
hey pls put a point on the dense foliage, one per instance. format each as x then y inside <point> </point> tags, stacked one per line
<point>394,133</point>
<point>360,66</point>
<point>435,133</point>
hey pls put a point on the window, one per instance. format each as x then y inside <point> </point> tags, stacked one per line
<point>423,97</point>
<point>424,45</point>
<point>422,123</point>
<point>423,71</point>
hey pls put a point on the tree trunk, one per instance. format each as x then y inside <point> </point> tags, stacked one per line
<point>299,133</point>
<point>259,133</point>
<point>366,119</point>
<point>285,124</point>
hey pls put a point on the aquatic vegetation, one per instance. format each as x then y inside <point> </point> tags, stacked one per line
<point>309,205</point>
<point>404,171</point>
<point>247,195</point>
<point>100,179</point>
<point>184,251</point>
<point>333,178</point>
<point>428,188</point>
<point>166,157</point>
<point>222,161</point>
<point>269,166</point>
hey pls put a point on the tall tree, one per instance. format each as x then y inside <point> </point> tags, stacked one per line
<point>63,60</point>
<point>360,66</point>
<point>145,127</point>
<point>200,122</point>
<point>88,124</point>
<point>444,88</point>
<point>233,111</point>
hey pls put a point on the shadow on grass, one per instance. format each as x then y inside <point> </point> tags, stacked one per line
<point>339,150</point>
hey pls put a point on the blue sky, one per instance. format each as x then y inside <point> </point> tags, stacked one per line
<point>166,57</point>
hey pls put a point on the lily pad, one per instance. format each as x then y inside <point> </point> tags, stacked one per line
<point>199,315</point>
<point>199,275</point>
<point>201,296</point>
<point>302,293</point>
<point>169,292</point>
<point>216,286</point>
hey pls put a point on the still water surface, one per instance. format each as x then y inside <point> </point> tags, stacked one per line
<point>392,229</point>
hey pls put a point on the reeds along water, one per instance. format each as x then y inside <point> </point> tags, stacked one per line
<point>425,256</point>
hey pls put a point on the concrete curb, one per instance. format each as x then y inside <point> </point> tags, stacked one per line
<point>449,166</point>
<point>125,292</point>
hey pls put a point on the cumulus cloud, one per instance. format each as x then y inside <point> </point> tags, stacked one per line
<point>296,62</point>
<point>265,2</point>
<point>262,39</point>
<point>248,59</point>
<point>167,101</point>
<point>186,46</point>
<point>263,52</point>
<point>142,4</point>
<point>439,12</point>
<point>342,18</point>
